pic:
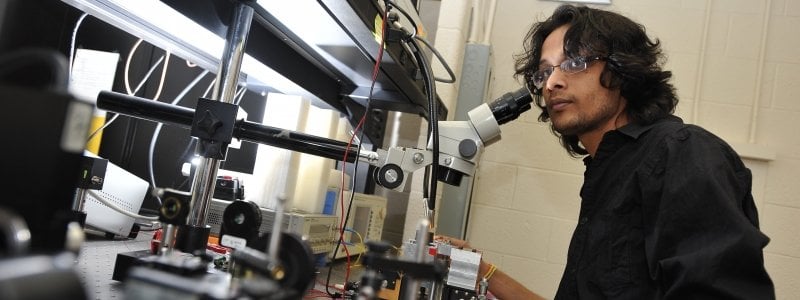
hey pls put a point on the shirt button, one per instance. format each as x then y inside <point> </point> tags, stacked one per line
<point>583,220</point>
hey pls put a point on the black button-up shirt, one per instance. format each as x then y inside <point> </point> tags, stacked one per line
<point>666,213</point>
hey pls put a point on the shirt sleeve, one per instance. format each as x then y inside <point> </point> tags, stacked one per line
<point>702,239</point>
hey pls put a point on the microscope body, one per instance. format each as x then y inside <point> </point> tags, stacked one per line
<point>461,144</point>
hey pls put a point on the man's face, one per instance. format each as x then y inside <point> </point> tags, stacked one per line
<point>577,103</point>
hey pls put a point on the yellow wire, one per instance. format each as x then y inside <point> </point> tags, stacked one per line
<point>361,245</point>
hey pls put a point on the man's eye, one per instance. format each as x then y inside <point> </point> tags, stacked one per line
<point>539,76</point>
<point>574,64</point>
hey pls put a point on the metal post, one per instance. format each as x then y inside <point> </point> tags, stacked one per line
<point>412,285</point>
<point>167,240</point>
<point>224,90</point>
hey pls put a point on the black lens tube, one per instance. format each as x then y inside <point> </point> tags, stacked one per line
<point>510,105</point>
<point>244,130</point>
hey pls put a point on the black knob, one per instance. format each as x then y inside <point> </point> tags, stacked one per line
<point>389,176</point>
<point>467,148</point>
<point>209,123</point>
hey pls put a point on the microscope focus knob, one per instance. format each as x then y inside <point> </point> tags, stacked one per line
<point>467,148</point>
<point>389,176</point>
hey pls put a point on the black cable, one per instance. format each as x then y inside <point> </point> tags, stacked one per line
<point>433,123</point>
<point>427,44</point>
<point>433,118</point>
<point>425,178</point>
<point>441,59</point>
<point>346,213</point>
<point>392,4</point>
<point>358,154</point>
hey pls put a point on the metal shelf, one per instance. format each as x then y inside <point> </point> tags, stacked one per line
<point>322,50</point>
<point>327,47</point>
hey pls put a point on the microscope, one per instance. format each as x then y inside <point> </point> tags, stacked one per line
<point>461,143</point>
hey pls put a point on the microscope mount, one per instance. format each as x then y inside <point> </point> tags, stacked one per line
<point>461,142</point>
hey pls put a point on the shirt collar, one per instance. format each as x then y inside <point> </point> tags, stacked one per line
<point>634,131</point>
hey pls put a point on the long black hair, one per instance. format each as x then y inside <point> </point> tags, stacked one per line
<point>633,62</point>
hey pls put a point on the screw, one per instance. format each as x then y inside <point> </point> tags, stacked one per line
<point>418,158</point>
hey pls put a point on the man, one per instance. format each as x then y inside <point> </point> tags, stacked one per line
<point>667,210</point>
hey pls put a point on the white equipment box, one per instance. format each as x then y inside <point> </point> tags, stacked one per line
<point>316,229</point>
<point>122,188</point>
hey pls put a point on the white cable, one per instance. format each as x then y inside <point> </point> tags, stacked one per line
<point>147,75</point>
<point>119,209</point>
<point>91,136</point>
<point>72,44</point>
<point>210,86</point>
<point>239,95</point>
<point>163,76</point>
<point>126,74</point>
<point>141,84</point>
<point>128,66</point>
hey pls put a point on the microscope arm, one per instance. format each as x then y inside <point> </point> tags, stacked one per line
<point>244,130</point>
<point>461,142</point>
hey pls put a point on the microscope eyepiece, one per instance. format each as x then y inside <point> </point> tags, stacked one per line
<point>510,105</point>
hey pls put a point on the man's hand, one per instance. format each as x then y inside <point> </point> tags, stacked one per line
<point>458,243</point>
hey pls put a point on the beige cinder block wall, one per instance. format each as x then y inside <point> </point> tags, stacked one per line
<point>736,66</point>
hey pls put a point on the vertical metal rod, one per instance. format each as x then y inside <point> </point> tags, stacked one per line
<point>233,55</point>
<point>277,228</point>
<point>412,285</point>
<point>167,240</point>
<point>224,90</point>
<point>422,240</point>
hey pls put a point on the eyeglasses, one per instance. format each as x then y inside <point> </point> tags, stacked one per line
<point>535,81</point>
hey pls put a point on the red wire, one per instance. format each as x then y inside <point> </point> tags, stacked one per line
<point>316,294</point>
<point>350,142</point>
<point>328,286</point>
